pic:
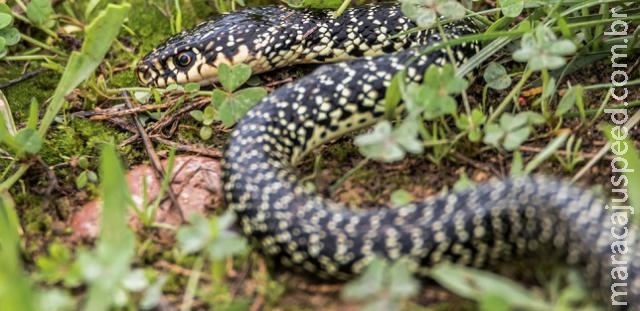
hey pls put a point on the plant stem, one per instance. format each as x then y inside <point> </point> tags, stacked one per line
<point>42,45</point>
<point>544,102</point>
<point>24,58</point>
<point>452,59</point>
<point>7,184</point>
<point>505,102</point>
<point>192,284</point>
<point>345,4</point>
<point>346,176</point>
<point>25,20</point>
<point>610,85</point>
<point>7,169</point>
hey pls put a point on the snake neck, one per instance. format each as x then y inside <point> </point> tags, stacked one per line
<point>308,36</point>
<point>318,36</point>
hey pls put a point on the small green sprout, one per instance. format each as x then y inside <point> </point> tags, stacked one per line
<point>512,130</point>
<point>383,286</point>
<point>387,144</point>
<point>491,291</point>
<point>9,35</point>
<point>230,103</point>
<point>426,12</point>
<point>434,98</point>
<point>511,8</point>
<point>472,124</point>
<point>401,197</point>
<point>571,156</point>
<point>40,12</point>
<point>233,104</point>
<point>87,175</point>
<point>543,50</point>
<point>211,235</point>
<point>496,76</point>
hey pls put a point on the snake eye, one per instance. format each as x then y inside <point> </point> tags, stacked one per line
<point>184,59</point>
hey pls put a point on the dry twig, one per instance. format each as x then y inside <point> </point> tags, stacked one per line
<point>153,156</point>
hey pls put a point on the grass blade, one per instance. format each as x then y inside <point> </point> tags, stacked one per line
<point>99,35</point>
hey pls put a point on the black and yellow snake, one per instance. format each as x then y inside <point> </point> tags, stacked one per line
<point>489,224</point>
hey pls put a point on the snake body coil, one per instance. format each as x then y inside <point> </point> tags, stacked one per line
<point>492,223</point>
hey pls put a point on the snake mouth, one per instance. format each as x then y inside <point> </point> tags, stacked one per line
<point>146,74</point>
<point>149,76</point>
<point>152,72</point>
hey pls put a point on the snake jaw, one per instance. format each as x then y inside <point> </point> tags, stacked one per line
<point>144,74</point>
<point>153,70</point>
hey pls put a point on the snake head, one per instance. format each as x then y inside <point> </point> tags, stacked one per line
<point>194,55</point>
<point>185,57</point>
<point>166,66</point>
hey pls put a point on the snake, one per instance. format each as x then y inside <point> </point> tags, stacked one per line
<point>358,53</point>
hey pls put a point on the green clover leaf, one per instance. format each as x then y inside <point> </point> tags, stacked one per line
<point>512,130</point>
<point>389,145</point>
<point>543,50</point>
<point>434,98</point>
<point>425,12</point>
<point>496,76</point>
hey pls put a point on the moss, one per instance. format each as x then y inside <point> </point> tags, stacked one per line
<point>342,151</point>
<point>82,138</point>
<point>149,25</point>
<point>78,137</point>
<point>20,95</point>
<point>123,79</point>
<point>34,221</point>
<point>26,199</point>
<point>197,12</point>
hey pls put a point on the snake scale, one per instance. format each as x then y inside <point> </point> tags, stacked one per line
<point>493,223</point>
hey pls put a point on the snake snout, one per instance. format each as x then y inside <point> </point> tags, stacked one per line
<point>144,72</point>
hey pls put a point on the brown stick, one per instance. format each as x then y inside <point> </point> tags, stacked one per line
<point>153,156</point>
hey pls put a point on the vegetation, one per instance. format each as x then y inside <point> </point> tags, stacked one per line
<point>538,108</point>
